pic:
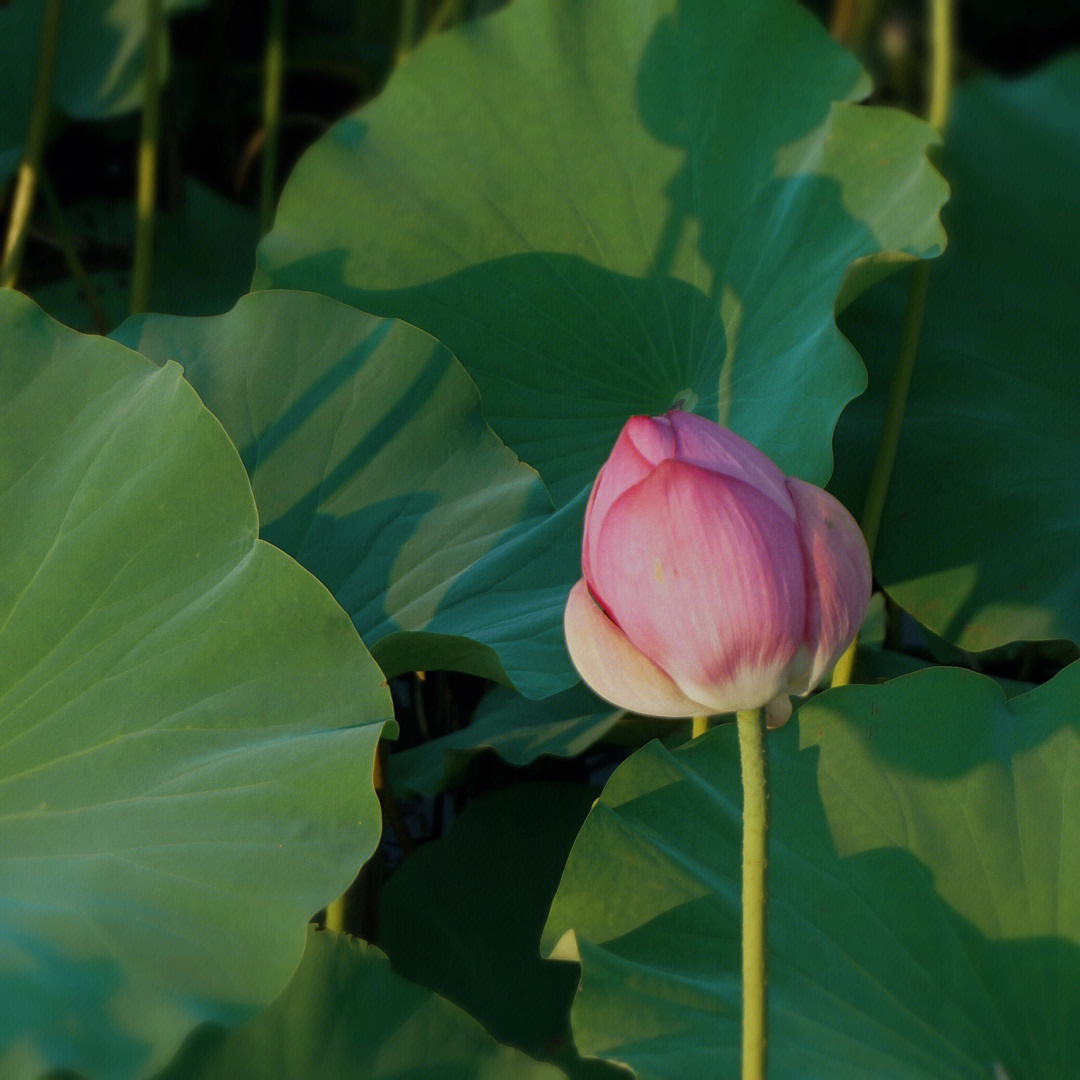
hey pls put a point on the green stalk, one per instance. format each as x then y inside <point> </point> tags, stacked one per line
<point>275,66</point>
<point>146,185</point>
<point>367,885</point>
<point>408,28</point>
<point>942,61</point>
<point>71,257</point>
<point>699,726</point>
<point>22,203</point>
<point>941,78</point>
<point>874,509</point>
<point>755,856</point>
<point>845,666</point>
<point>335,915</point>
<point>450,11</point>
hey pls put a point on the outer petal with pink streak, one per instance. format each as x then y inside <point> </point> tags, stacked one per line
<point>838,579</point>
<point>704,575</point>
<point>614,668</point>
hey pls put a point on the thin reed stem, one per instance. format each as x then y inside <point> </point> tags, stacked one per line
<point>942,16</point>
<point>147,162</point>
<point>274,74</point>
<point>71,256</point>
<point>26,182</point>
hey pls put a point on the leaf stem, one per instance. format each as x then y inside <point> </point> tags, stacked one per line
<point>146,185</point>
<point>71,256</point>
<point>275,67</point>
<point>751,725</point>
<point>367,884</point>
<point>942,62</point>
<point>451,11</point>
<point>408,28</point>
<point>22,203</point>
<point>335,915</point>
<point>699,726</point>
<point>850,20</point>
<point>941,77</point>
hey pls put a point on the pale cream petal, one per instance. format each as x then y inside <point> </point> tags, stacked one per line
<point>614,668</point>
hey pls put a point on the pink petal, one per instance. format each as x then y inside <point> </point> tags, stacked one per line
<point>626,465</point>
<point>613,668</point>
<point>704,574</point>
<point>701,442</point>
<point>652,437</point>
<point>837,578</point>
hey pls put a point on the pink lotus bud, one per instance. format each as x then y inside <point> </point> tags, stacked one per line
<point>712,582</point>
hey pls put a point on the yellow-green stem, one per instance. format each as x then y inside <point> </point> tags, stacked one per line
<point>408,28</point>
<point>335,915</point>
<point>22,203</point>
<point>146,183</point>
<point>941,75</point>
<point>699,726</point>
<point>275,66</point>
<point>755,858</point>
<point>451,11</point>
<point>845,666</point>
<point>942,62</point>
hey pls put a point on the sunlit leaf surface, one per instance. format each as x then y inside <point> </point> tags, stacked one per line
<point>982,525</point>
<point>924,919</point>
<point>602,209</point>
<point>372,466</point>
<point>188,720</point>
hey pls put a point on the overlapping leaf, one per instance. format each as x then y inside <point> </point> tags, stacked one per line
<point>986,552</point>
<point>347,1015</point>
<point>188,720</point>
<point>604,211</point>
<point>494,874</point>
<point>924,919</point>
<point>204,251</point>
<point>518,730</point>
<point>372,466</point>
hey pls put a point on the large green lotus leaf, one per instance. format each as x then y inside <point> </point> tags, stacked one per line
<point>188,720</point>
<point>99,62</point>
<point>494,874</point>
<point>986,553</point>
<point>373,467</point>
<point>924,909</point>
<point>515,728</point>
<point>203,254</point>
<point>346,1015</point>
<point>603,211</point>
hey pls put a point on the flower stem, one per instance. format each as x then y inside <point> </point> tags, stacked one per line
<point>941,75</point>
<point>451,11</point>
<point>71,256</point>
<point>22,203</point>
<point>942,62</point>
<point>850,21</point>
<point>699,726</point>
<point>275,66</point>
<point>335,915</point>
<point>751,725</point>
<point>408,28</point>
<point>146,184</point>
